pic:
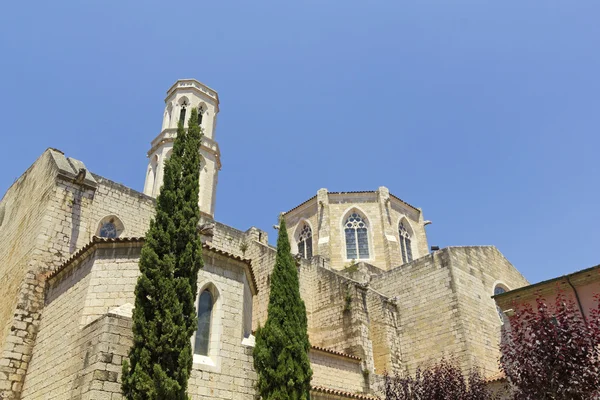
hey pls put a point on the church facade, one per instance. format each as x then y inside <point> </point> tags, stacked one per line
<point>376,298</point>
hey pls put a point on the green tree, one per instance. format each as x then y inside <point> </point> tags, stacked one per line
<point>164,317</point>
<point>281,351</point>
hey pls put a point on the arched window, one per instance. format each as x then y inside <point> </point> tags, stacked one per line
<point>108,230</point>
<point>182,112</point>
<point>305,242</point>
<point>499,290</point>
<point>200,114</point>
<point>405,245</point>
<point>110,227</point>
<point>357,242</point>
<point>205,306</point>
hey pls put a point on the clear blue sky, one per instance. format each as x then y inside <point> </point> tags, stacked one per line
<point>486,114</point>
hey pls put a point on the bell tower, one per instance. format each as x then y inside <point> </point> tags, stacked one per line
<point>184,95</point>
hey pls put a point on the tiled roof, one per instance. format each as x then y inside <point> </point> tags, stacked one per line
<point>230,255</point>
<point>140,240</point>
<point>300,205</point>
<point>351,192</point>
<point>337,353</point>
<point>95,241</point>
<point>342,393</point>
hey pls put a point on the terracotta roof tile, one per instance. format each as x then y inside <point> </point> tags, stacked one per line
<point>337,353</point>
<point>95,241</point>
<point>140,240</point>
<point>230,255</point>
<point>342,393</point>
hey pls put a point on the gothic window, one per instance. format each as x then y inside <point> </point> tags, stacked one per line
<point>357,242</point>
<point>110,227</point>
<point>205,307</point>
<point>182,112</point>
<point>108,230</point>
<point>405,245</point>
<point>305,242</point>
<point>200,114</point>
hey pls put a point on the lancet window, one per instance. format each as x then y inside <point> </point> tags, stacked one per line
<point>200,114</point>
<point>405,243</point>
<point>205,307</point>
<point>357,241</point>
<point>182,112</point>
<point>305,242</point>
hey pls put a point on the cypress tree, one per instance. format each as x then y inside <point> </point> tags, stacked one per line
<point>164,316</point>
<point>281,351</point>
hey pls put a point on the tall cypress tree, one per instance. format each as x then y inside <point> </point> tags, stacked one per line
<point>164,316</point>
<point>281,351</point>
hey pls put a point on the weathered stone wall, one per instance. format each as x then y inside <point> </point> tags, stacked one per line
<point>22,214</point>
<point>337,372</point>
<point>263,262</point>
<point>91,287</point>
<point>445,307</point>
<point>48,215</point>
<point>476,271</point>
<point>55,363</point>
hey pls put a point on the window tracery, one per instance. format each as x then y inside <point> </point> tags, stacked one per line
<point>305,242</point>
<point>405,243</point>
<point>356,233</point>
<point>108,230</point>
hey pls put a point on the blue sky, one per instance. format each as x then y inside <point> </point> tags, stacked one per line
<point>483,113</point>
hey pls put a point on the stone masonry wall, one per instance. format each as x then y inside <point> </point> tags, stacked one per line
<point>337,372</point>
<point>445,307</point>
<point>55,364</point>
<point>24,219</point>
<point>71,359</point>
<point>476,270</point>
<point>429,327</point>
<point>50,216</point>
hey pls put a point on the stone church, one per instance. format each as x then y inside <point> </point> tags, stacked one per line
<point>376,298</point>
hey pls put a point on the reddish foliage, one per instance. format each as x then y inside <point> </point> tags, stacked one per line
<point>441,381</point>
<point>551,352</point>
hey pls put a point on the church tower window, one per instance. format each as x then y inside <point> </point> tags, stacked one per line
<point>182,112</point>
<point>200,114</point>
<point>205,306</point>
<point>305,242</point>
<point>405,244</point>
<point>357,242</point>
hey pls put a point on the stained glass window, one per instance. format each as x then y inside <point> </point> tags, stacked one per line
<point>405,245</point>
<point>205,306</point>
<point>108,230</point>
<point>357,241</point>
<point>305,242</point>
